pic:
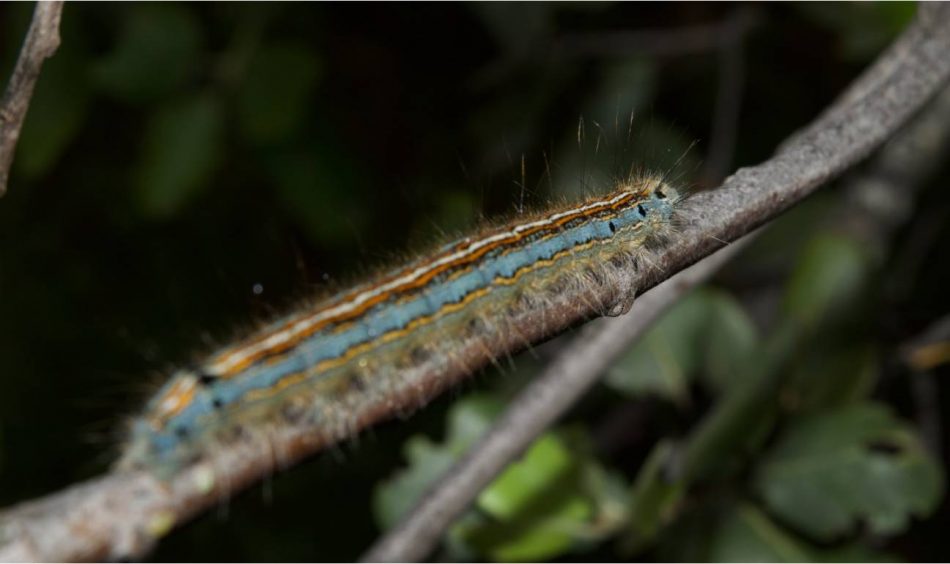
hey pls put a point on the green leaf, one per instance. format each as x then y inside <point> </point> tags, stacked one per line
<point>829,377</point>
<point>830,470</point>
<point>828,280</point>
<point>517,28</point>
<point>654,499</point>
<point>723,529</point>
<point>316,186</point>
<point>732,340</point>
<point>156,53</point>
<point>428,461</point>
<point>554,498</point>
<point>181,149</point>
<point>275,96</point>
<point>863,29</point>
<point>665,359</point>
<point>536,506</point>
<point>531,475</point>
<point>745,534</point>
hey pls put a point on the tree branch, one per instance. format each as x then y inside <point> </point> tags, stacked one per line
<point>576,368</point>
<point>124,514</point>
<point>42,40</point>
<point>872,200</point>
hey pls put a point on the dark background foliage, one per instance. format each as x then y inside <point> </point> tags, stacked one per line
<point>187,170</point>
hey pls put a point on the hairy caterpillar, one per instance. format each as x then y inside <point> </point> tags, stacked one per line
<point>319,367</point>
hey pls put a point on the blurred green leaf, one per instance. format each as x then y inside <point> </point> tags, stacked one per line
<point>427,461</point>
<point>274,98</point>
<point>541,506</point>
<point>828,280</point>
<point>536,506</point>
<point>654,499</point>
<point>725,529</point>
<point>517,27</point>
<point>156,53</point>
<point>663,361</point>
<point>863,29</point>
<point>732,340</point>
<point>770,254</point>
<point>828,377</point>
<point>745,534</point>
<point>396,496</point>
<point>318,187</point>
<point>181,149</point>
<point>525,479</point>
<point>830,470</point>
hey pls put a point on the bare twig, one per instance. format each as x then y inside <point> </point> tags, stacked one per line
<point>41,42</point>
<point>576,368</point>
<point>124,514</point>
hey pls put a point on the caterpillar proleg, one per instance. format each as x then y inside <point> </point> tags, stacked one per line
<point>356,352</point>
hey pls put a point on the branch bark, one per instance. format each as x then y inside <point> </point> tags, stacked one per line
<point>575,369</point>
<point>877,202</point>
<point>42,40</point>
<point>122,515</point>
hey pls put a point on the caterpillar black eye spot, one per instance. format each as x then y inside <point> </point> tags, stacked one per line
<point>206,379</point>
<point>181,432</point>
<point>613,228</point>
<point>217,403</point>
<point>641,210</point>
<point>660,193</point>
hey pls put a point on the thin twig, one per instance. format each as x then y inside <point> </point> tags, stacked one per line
<point>124,514</point>
<point>577,367</point>
<point>42,40</point>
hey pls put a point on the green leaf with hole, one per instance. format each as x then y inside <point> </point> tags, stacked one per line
<point>182,147</point>
<point>858,463</point>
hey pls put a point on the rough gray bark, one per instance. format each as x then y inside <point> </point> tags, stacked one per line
<point>41,42</point>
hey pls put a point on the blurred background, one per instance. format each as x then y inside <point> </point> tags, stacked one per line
<point>187,170</point>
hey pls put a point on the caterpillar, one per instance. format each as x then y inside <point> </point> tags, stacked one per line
<point>357,351</point>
